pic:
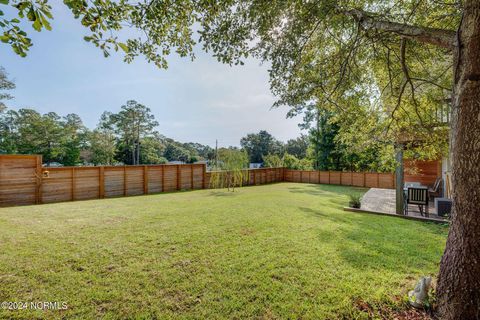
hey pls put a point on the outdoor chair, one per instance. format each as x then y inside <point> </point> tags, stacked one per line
<point>437,190</point>
<point>418,196</point>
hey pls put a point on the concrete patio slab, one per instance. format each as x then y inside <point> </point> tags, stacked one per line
<point>382,201</point>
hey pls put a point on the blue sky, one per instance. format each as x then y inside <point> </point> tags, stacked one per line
<point>196,101</point>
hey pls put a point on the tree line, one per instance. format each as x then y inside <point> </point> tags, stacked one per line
<point>126,137</point>
<point>129,137</point>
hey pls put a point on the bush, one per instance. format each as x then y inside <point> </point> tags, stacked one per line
<point>355,201</point>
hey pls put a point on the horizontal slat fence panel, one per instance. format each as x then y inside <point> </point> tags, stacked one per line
<point>185,178</point>
<point>80,183</point>
<point>386,180</point>
<point>134,181</point>
<point>170,178</point>
<point>114,181</point>
<point>54,189</point>
<point>87,184</point>
<point>335,177</point>
<point>371,180</point>
<point>324,177</point>
<point>155,175</point>
<point>20,178</point>
<point>358,179</point>
<point>425,172</point>
<point>346,178</point>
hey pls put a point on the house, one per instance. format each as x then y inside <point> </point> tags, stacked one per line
<point>176,162</point>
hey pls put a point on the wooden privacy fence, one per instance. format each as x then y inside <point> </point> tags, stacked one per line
<point>24,181</point>
<point>358,179</point>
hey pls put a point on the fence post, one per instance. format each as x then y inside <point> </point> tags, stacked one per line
<point>328,176</point>
<point>364,179</point>
<point>145,180</point>
<point>378,180</point>
<point>101,182</point>
<point>204,172</point>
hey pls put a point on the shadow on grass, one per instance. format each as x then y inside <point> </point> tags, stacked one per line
<point>379,243</point>
<point>330,217</point>
<point>322,189</point>
<point>225,193</point>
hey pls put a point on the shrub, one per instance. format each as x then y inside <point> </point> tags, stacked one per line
<point>355,201</point>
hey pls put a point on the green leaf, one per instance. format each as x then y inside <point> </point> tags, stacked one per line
<point>37,25</point>
<point>45,22</point>
<point>47,13</point>
<point>124,47</point>
<point>5,2</point>
<point>31,15</point>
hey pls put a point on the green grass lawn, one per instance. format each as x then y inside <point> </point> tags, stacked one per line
<point>274,251</point>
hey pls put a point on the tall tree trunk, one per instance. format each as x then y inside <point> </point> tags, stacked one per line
<point>138,152</point>
<point>133,152</point>
<point>459,280</point>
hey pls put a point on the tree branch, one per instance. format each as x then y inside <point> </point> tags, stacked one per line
<point>439,37</point>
